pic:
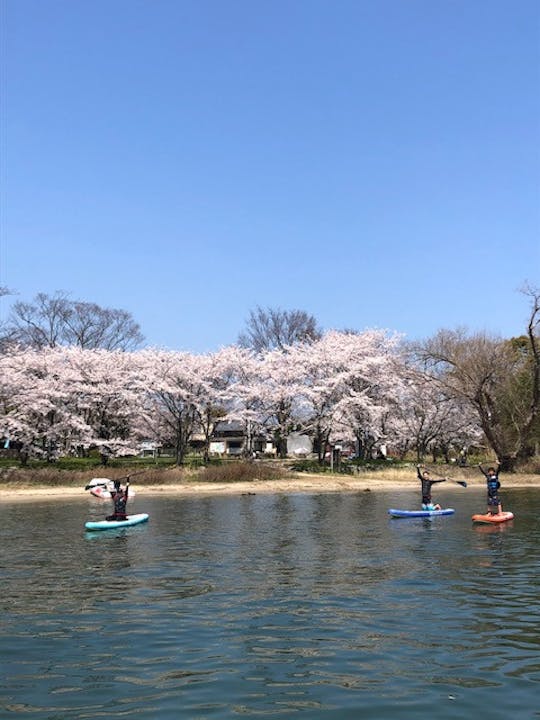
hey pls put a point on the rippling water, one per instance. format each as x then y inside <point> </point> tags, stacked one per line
<point>278,606</point>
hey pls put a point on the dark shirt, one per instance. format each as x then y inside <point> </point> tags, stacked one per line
<point>426,487</point>
<point>119,498</point>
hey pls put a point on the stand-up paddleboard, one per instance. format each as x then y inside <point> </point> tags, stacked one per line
<point>420,513</point>
<point>498,518</point>
<point>110,524</point>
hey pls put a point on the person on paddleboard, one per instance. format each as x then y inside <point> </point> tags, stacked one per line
<point>119,498</point>
<point>494,506</point>
<point>427,481</point>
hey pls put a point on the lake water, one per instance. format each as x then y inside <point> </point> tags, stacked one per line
<point>271,606</point>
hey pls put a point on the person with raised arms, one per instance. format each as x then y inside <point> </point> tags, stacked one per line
<point>427,482</point>
<point>119,497</point>
<point>494,505</point>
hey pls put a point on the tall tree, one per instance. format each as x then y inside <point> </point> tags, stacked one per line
<point>425,419</point>
<point>50,321</point>
<point>372,375</point>
<point>58,401</point>
<point>171,385</point>
<point>499,381</point>
<point>278,383</point>
<point>275,329</point>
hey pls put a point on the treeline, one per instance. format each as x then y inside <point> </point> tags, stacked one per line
<point>51,320</point>
<point>371,388</point>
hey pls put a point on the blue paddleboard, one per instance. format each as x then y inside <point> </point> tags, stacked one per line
<point>420,513</point>
<point>110,524</point>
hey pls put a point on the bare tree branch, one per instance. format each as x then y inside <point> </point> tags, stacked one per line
<point>274,328</point>
<point>57,320</point>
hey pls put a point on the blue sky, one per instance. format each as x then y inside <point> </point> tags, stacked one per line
<point>373,162</point>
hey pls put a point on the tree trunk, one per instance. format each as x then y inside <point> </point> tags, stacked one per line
<point>281,445</point>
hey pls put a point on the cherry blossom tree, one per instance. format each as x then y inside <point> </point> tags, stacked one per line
<point>106,400</point>
<point>173,387</point>
<point>371,374</point>
<point>218,374</point>
<point>334,388</point>
<point>427,420</point>
<point>246,405</point>
<point>322,388</point>
<point>60,401</point>
<point>29,404</point>
<point>279,387</point>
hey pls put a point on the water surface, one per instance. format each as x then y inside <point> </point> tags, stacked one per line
<point>278,606</point>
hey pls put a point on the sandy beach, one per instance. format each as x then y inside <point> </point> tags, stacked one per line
<point>301,483</point>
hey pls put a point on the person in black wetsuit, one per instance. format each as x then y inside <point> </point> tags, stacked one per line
<point>427,481</point>
<point>494,506</point>
<point>119,498</point>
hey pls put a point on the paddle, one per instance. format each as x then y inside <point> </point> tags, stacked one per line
<point>101,484</point>
<point>458,482</point>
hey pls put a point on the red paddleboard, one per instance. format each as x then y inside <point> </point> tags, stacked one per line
<point>498,518</point>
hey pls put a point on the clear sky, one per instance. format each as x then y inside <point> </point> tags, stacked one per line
<point>373,162</point>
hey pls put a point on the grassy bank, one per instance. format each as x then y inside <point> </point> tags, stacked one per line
<point>13,477</point>
<point>154,475</point>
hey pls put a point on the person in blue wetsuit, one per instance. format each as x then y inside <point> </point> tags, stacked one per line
<point>427,481</point>
<point>494,506</point>
<point>119,498</point>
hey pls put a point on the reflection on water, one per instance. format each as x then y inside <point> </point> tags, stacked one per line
<point>275,605</point>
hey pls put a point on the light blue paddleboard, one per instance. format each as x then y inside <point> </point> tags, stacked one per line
<point>110,524</point>
<point>420,513</point>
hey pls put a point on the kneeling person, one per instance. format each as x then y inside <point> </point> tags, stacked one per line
<point>119,498</point>
<point>427,481</point>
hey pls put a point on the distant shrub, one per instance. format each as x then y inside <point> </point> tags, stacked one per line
<point>309,466</point>
<point>195,461</point>
<point>46,477</point>
<point>312,466</point>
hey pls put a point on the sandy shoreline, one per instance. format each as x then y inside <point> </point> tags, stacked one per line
<point>293,485</point>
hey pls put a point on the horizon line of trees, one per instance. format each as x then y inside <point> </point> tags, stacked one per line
<point>53,320</point>
<point>81,385</point>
